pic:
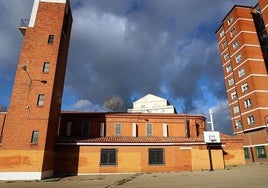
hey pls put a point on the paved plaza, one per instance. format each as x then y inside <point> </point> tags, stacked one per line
<point>248,176</point>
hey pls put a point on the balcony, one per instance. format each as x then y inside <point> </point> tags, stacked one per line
<point>24,23</point>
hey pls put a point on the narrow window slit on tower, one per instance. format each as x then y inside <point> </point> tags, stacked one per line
<point>50,39</point>
<point>35,135</point>
<point>40,101</point>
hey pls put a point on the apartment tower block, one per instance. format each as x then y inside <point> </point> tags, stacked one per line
<point>243,45</point>
<point>30,131</point>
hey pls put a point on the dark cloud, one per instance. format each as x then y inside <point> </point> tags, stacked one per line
<point>131,48</point>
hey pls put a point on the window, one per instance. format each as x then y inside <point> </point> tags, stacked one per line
<point>246,153</point>
<point>238,124</point>
<point>108,157</point>
<point>231,81</point>
<point>261,153</point>
<point>224,44</point>
<point>85,129</point>
<point>250,120</point>
<point>156,156</point>
<point>118,129</point>
<point>149,129</point>
<point>235,45</point>
<point>233,95</point>
<point>233,32</point>
<point>238,58</point>
<point>241,72</point>
<point>244,87</point>
<point>40,100</point>
<point>222,33</point>
<point>228,68</point>
<point>235,109</point>
<point>50,39</point>
<point>46,67</point>
<point>68,128</point>
<point>226,56</point>
<point>165,130</point>
<point>230,20</point>
<point>247,103</point>
<point>35,135</point>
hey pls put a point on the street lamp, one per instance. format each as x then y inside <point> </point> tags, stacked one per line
<point>24,67</point>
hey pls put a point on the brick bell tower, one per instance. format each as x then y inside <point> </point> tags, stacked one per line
<point>30,131</point>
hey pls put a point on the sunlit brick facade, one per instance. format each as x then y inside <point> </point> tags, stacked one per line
<point>30,129</point>
<point>139,142</point>
<point>243,45</point>
<point>37,140</point>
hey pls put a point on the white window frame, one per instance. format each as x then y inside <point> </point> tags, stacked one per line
<point>118,129</point>
<point>244,87</point>
<point>235,45</point>
<point>222,33</point>
<point>230,20</point>
<point>238,124</point>
<point>236,109</point>
<point>233,95</point>
<point>251,120</point>
<point>241,72</point>
<point>224,44</point>
<point>238,58</point>
<point>226,56</point>
<point>247,103</point>
<point>228,68</point>
<point>149,129</point>
<point>231,81</point>
<point>232,32</point>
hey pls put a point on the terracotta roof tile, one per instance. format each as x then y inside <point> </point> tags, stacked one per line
<point>129,139</point>
<point>145,139</point>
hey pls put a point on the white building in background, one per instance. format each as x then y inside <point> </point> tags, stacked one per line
<point>152,104</point>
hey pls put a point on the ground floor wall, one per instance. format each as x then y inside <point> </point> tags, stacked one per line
<point>87,159</point>
<point>22,165</point>
<point>255,145</point>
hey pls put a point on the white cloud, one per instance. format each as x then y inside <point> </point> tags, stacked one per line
<point>86,105</point>
<point>221,117</point>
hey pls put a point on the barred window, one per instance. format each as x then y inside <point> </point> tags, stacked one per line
<point>261,153</point>
<point>108,157</point>
<point>156,156</point>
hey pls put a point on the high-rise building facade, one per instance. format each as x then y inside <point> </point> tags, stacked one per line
<point>243,45</point>
<point>27,146</point>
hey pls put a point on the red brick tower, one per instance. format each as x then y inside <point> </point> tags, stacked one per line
<point>243,43</point>
<point>29,134</point>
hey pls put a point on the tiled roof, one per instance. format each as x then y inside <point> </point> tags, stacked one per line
<point>128,139</point>
<point>140,140</point>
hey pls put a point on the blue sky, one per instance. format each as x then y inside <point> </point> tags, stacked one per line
<point>131,48</point>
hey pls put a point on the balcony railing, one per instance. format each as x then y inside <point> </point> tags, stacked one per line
<point>24,23</point>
